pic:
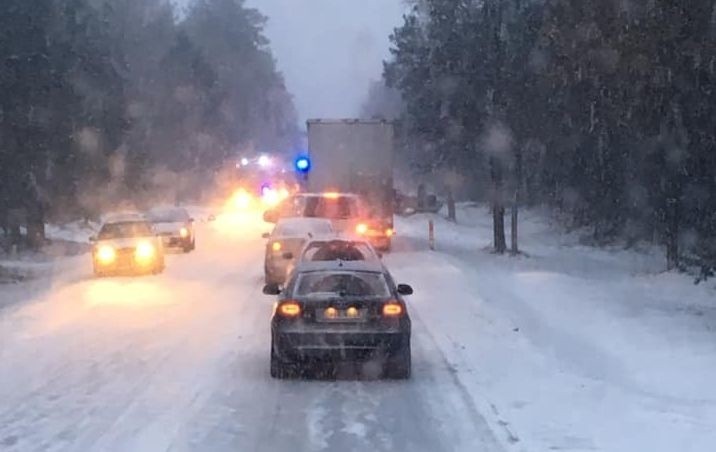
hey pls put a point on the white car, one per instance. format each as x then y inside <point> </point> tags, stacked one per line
<point>334,248</point>
<point>175,226</point>
<point>127,244</point>
<point>286,241</point>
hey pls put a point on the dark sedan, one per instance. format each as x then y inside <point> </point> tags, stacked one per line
<point>340,311</point>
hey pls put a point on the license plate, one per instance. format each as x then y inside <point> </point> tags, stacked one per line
<point>341,315</point>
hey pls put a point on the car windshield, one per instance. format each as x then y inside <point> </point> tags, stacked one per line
<point>168,216</point>
<point>302,227</point>
<point>338,250</point>
<point>343,284</point>
<point>125,230</point>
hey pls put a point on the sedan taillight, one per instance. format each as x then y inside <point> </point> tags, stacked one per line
<point>392,309</point>
<point>290,309</point>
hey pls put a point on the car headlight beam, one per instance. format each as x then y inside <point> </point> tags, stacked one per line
<point>106,254</point>
<point>144,252</point>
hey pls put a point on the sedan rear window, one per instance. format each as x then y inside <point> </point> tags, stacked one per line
<point>300,228</point>
<point>340,208</point>
<point>342,284</point>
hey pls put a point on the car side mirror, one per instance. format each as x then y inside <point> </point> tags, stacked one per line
<point>265,235</point>
<point>404,289</point>
<point>272,289</point>
<point>288,255</point>
<point>270,216</point>
<point>92,239</point>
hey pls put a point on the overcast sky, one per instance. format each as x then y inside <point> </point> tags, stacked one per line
<point>330,50</point>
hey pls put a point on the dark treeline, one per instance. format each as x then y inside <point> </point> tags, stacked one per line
<point>605,110</point>
<point>104,101</point>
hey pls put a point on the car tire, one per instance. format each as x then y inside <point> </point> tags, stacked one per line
<point>398,365</point>
<point>279,368</point>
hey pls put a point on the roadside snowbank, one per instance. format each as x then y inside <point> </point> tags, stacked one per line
<point>573,347</point>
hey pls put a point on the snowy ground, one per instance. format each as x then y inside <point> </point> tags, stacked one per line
<point>569,349</point>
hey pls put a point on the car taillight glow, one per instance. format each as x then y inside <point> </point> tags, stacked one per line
<point>276,246</point>
<point>392,309</point>
<point>289,309</point>
<point>362,228</point>
<point>389,232</point>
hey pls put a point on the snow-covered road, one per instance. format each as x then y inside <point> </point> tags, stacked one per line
<point>179,362</point>
<point>569,349</point>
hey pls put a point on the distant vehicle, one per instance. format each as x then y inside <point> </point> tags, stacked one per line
<point>346,211</point>
<point>285,243</point>
<point>127,244</point>
<point>356,156</point>
<point>175,226</point>
<point>337,310</point>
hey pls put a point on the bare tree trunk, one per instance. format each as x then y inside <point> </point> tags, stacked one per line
<point>498,226</point>
<point>514,247</point>
<point>451,206</point>
<point>498,209</point>
<point>672,234</point>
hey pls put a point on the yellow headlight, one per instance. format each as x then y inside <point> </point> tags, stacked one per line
<point>276,246</point>
<point>184,232</point>
<point>144,252</point>
<point>242,199</point>
<point>106,254</point>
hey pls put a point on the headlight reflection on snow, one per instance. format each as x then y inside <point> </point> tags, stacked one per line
<point>135,293</point>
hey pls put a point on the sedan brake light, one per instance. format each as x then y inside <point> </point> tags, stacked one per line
<point>289,309</point>
<point>392,309</point>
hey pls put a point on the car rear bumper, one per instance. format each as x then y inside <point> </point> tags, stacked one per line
<point>338,346</point>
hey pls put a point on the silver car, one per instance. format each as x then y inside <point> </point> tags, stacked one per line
<point>286,241</point>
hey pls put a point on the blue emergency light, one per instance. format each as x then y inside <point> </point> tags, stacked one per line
<point>303,164</point>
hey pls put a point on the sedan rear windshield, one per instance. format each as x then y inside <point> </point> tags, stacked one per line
<point>342,284</point>
<point>125,230</point>
<point>301,228</point>
<point>340,208</point>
